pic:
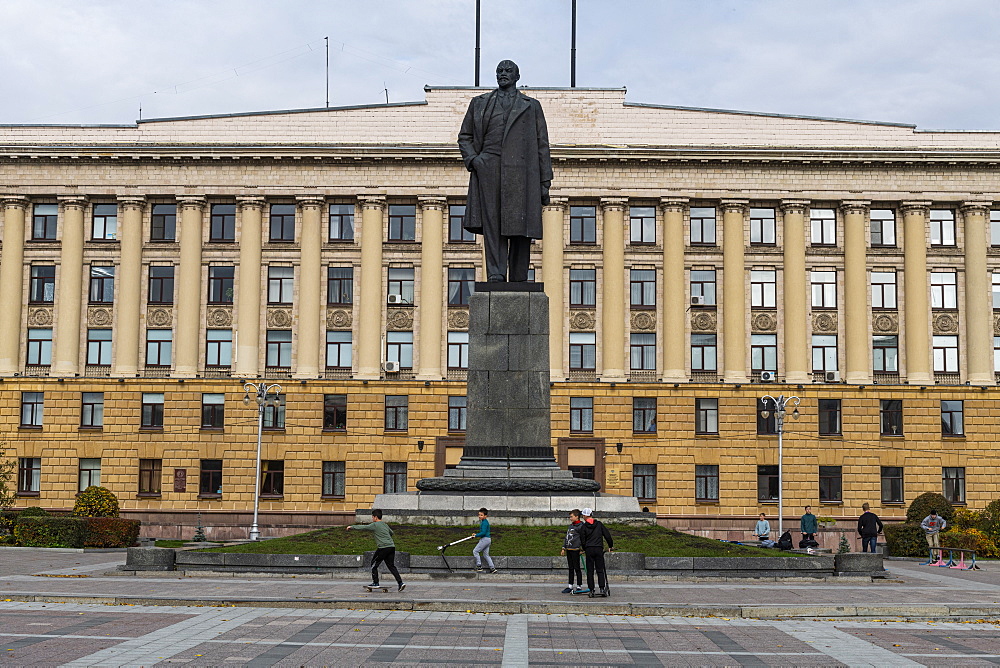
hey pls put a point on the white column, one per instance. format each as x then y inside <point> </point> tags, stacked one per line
<point>11,283</point>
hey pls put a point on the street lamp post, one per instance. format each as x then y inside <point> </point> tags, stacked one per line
<point>779,405</point>
<point>260,391</point>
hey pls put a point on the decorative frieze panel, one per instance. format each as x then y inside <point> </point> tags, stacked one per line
<point>339,319</point>
<point>764,322</point>
<point>279,317</point>
<point>643,321</point>
<point>704,321</point>
<point>220,317</point>
<point>399,319</point>
<point>40,317</point>
<point>99,317</point>
<point>946,323</point>
<point>582,321</point>
<point>825,323</point>
<point>159,317</point>
<point>458,319</point>
<point>885,323</point>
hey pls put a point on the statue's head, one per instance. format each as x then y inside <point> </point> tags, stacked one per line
<point>507,73</point>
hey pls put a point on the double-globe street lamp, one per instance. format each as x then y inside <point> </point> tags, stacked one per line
<point>260,391</point>
<point>778,408</point>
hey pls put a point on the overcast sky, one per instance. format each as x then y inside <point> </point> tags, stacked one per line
<point>932,63</point>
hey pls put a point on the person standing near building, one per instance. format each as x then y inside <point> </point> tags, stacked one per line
<point>385,547</point>
<point>763,528</point>
<point>593,536</point>
<point>933,525</point>
<point>869,527</point>
<point>572,547</point>
<point>808,524</point>
<point>483,546</point>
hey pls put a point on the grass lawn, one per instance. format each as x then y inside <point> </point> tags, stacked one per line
<point>170,543</point>
<point>654,541</point>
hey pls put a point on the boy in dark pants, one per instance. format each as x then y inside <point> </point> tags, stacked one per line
<point>572,547</point>
<point>385,548</point>
<point>594,535</point>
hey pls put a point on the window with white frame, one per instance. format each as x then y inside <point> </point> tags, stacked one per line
<point>401,283</point>
<point>942,227</point>
<point>642,224</point>
<point>280,283</point>
<point>642,351</point>
<point>944,290</point>
<point>824,288</point>
<point>763,352</point>
<point>883,227</point>
<point>279,348</point>
<point>703,285</point>
<point>703,225</point>
<point>994,227</point>
<point>883,289</point>
<point>458,350</point>
<point>704,352</point>
<point>824,352</point>
<point>763,288</point>
<point>945,354</point>
<point>159,345</point>
<point>39,347</point>
<point>338,350</point>
<point>582,351</point>
<point>996,290</point>
<point>885,353</point>
<point>762,227</point>
<point>218,347</point>
<point>399,348</point>
<point>823,223</point>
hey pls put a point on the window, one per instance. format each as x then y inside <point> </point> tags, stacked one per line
<point>159,343</point>
<point>274,416</point>
<point>583,225</point>
<point>461,284</point>
<point>43,222</point>
<point>456,219</point>
<point>39,347</point>
<point>945,350</point>
<point>706,416</point>
<point>824,289</point>
<point>706,482</point>
<point>953,483</point>
<point>399,348</point>
<point>763,353</point>
<point>282,222</point>
<point>210,477</point>
<point>334,412</point>
<point>457,412</point>
<point>703,352</point>
<point>458,350</point>
<point>161,285</point>
<point>643,352</point>
<point>891,414</point>
<point>581,415</point>
<point>272,477</point>
<point>89,474</point>
<point>213,411</point>
<point>223,223</point>
<point>892,484</point>
<point>334,479</point>
<point>29,475</point>
<point>397,409</point>
<point>942,227</point>
<point>762,226</point>
<point>831,484</point>
<point>150,476</point>
<point>883,227</point>
<point>92,410</point>
<point>995,228</point>
<point>583,287</point>
<point>338,350</point>
<point>767,483</point>
<point>829,417</point>
<point>152,410</point>
<point>402,222</point>
<point>642,224</point>
<point>394,477</point>
<point>582,351</point>
<point>105,220</point>
<point>43,284</point>
<point>644,415</point>
<point>703,225</point>
<point>582,471</point>
<point>642,288</point>
<point>824,227</point>
<point>218,347</point>
<point>280,281</point>
<point>824,352</point>
<point>703,285</point>
<point>885,353</point>
<point>766,426</point>
<point>944,290</point>
<point>762,288</point>
<point>32,408</point>
<point>279,348</point>
<point>102,285</point>
<point>341,222</point>
<point>996,289</point>
<point>99,347</point>
<point>883,289</point>
<point>401,283</point>
<point>644,481</point>
<point>340,285</point>
<point>163,222</point>
<point>996,354</point>
<point>952,420</point>
<point>220,285</point>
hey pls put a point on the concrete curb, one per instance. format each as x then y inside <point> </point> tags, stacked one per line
<point>587,606</point>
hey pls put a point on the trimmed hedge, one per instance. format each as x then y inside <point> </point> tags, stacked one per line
<point>905,540</point>
<point>7,520</point>
<point>96,502</point>
<point>970,539</point>
<point>111,532</point>
<point>922,506</point>
<point>50,532</point>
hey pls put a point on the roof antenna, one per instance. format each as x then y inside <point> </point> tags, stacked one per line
<point>140,110</point>
<point>477,43</point>
<point>386,93</point>
<point>572,51</point>
<point>327,39</point>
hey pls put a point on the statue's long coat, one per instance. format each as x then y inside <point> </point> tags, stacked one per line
<point>525,164</point>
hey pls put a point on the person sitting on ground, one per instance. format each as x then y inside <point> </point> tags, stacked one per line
<point>385,547</point>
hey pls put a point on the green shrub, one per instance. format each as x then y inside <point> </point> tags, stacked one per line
<point>50,532</point>
<point>968,519</point>
<point>990,524</point>
<point>34,511</point>
<point>7,520</point>
<point>970,539</point>
<point>922,506</point>
<point>111,532</point>
<point>96,502</point>
<point>905,540</point>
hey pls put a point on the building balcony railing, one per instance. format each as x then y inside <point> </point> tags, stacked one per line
<point>337,373</point>
<point>96,370</point>
<point>581,375</point>
<point>886,377</point>
<point>217,372</point>
<point>156,372</point>
<point>37,370</point>
<point>943,378</point>
<point>458,374</point>
<point>277,372</point>
<point>705,376</point>
<point>642,376</point>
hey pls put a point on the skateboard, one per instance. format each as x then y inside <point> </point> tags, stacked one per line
<point>385,590</point>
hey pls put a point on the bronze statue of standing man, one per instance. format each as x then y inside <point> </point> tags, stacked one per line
<point>505,146</point>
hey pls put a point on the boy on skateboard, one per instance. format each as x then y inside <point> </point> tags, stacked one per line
<point>385,548</point>
<point>483,546</point>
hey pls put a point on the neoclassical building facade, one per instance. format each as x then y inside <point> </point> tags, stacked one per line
<point>695,260</point>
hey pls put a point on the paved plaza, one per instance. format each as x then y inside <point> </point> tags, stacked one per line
<point>69,608</point>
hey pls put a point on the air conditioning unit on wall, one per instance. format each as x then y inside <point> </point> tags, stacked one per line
<point>832,377</point>
<point>396,299</point>
<point>392,367</point>
<point>697,300</point>
<point>767,376</point>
